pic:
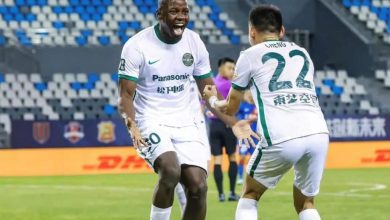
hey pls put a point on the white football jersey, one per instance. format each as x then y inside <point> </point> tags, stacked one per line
<point>280,76</point>
<point>162,72</point>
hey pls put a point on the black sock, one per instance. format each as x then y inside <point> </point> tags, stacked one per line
<point>233,176</point>
<point>218,178</point>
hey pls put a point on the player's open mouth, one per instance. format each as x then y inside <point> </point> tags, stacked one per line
<point>178,29</point>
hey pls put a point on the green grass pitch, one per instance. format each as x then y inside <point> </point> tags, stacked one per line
<point>359,194</point>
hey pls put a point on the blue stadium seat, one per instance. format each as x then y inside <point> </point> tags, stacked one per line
<point>114,77</point>
<point>57,9</point>
<point>81,40</point>
<point>109,109</point>
<point>2,78</point>
<point>89,86</point>
<point>328,82</point>
<point>58,25</point>
<point>41,86</point>
<point>75,86</point>
<point>318,91</point>
<point>86,32</point>
<point>93,77</point>
<point>337,90</point>
<point>235,40</point>
<point>104,40</point>
<point>2,40</point>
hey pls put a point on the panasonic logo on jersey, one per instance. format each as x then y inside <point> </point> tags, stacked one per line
<point>170,77</point>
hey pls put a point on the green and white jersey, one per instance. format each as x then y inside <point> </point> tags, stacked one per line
<point>162,72</point>
<point>280,76</point>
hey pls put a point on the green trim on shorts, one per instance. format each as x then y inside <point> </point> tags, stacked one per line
<point>262,116</point>
<point>256,163</point>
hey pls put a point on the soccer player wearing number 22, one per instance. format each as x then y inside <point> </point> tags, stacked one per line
<point>293,129</point>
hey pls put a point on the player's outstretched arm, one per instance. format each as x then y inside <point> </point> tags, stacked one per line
<point>227,119</point>
<point>126,110</point>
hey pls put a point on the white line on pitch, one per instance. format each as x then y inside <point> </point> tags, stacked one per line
<point>348,193</point>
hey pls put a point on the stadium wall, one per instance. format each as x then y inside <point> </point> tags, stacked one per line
<point>115,160</point>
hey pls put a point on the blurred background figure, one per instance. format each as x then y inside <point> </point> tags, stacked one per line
<point>221,136</point>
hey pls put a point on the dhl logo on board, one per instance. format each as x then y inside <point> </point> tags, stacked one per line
<point>381,156</point>
<point>110,162</point>
<point>114,160</point>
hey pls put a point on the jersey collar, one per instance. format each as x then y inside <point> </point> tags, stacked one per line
<point>159,36</point>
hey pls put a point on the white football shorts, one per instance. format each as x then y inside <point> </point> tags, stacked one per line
<point>187,142</point>
<point>306,154</point>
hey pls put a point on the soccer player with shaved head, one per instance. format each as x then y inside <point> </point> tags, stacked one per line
<point>155,101</point>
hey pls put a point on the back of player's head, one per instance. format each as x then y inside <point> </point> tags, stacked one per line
<point>225,60</point>
<point>266,18</point>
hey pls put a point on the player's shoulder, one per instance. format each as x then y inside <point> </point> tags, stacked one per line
<point>139,37</point>
<point>192,35</point>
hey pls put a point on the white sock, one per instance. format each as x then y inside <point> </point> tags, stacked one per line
<point>309,214</point>
<point>181,196</point>
<point>159,213</point>
<point>246,209</point>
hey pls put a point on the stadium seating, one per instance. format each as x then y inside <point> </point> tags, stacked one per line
<point>339,94</point>
<point>102,22</point>
<point>383,76</point>
<point>70,96</point>
<point>374,13</point>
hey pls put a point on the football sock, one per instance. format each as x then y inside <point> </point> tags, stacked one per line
<point>246,209</point>
<point>309,214</point>
<point>159,213</point>
<point>218,177</point>
<point>233,176</point>
<point>181,196</point>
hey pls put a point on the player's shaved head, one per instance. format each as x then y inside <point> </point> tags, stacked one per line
<point>162,4</point>
<point>173,16</point>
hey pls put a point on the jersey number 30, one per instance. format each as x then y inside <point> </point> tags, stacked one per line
<point>300,81</point>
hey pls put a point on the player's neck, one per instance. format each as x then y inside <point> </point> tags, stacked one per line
<point>264,38</point>
<point>164,36</point>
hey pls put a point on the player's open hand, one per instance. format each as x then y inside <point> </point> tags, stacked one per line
<point>242,130</point>
<point>135,134</point>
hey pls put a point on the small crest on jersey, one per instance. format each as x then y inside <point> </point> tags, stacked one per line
<point>235,75</point>
<point>188,59</point>
<point>106,132</point>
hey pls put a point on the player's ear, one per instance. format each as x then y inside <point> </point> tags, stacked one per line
<point>158,14</point>
<point>252,32</point>
<point>282,32</point>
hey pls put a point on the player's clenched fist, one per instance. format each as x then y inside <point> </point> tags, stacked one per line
<point>210,94</point>
<point>135,134</point>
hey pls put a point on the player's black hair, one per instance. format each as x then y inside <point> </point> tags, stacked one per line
<point>225,60</point>
<point>266,18</point>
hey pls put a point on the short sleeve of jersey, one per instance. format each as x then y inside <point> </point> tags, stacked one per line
<point>202,66</point>
<point>131,62</point>
<point>242,74</point>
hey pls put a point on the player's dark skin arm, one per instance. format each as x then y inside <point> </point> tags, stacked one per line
<point>227,119</point>
<point>127,90</point>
